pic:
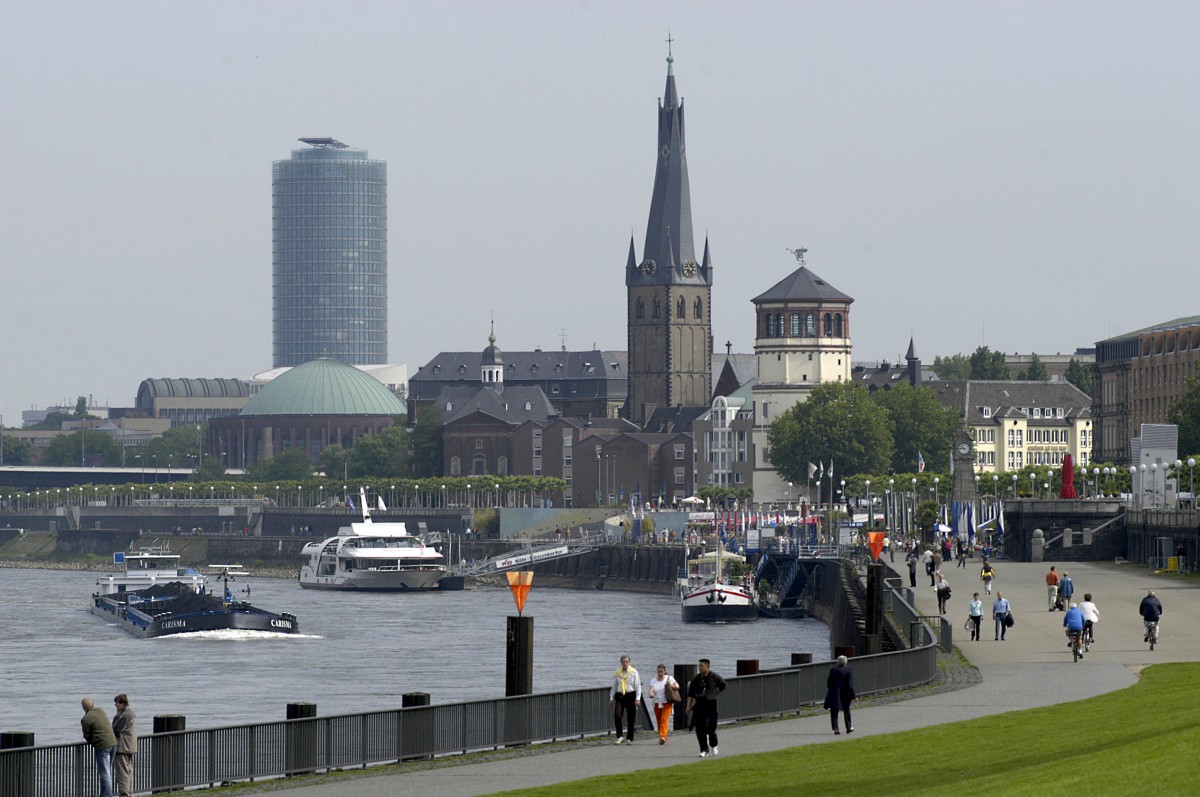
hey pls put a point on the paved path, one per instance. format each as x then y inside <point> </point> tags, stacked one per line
<point>1031,668</point>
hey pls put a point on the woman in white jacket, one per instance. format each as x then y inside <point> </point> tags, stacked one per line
<point>657,690</point>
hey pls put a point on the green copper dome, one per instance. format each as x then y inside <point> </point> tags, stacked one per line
<point>324,387</point>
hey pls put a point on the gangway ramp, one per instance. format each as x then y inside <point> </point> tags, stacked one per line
<point>530,554</point>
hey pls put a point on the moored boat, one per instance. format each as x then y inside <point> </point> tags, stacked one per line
<point>707,597</point>
<point>373,556</point>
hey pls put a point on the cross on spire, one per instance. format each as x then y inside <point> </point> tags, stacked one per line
<point>669,41</point>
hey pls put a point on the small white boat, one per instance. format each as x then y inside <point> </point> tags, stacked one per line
<point>372,556</point>
<point>706,597</point>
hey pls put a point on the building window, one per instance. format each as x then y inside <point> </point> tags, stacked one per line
<point>479,445</point>
<point>770,325</point>
<point>795,325</point>
<point>679,476</point>
<point>455,466</point>
<point>698,309</point>
<point>810,325</point>
<point>827,325</point>
<point>680,309</point>
<point>779,324</point>
<point>641,308</point>
<point>837,325</point>
<point>479,466</point>
<point>502,466</point>
<point>657,308</point>
<point>679,452</point>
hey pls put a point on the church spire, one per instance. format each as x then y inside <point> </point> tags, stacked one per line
<point>669,227</point>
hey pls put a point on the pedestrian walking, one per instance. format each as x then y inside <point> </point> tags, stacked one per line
<point>702,707</point>
<point>124,726</point>
<point>943,592</point>
<point>912,568</point>
<point>663,692</point>
<point>839,693</point>
<point>1001,615</point>
<point>935,566</point>
<point>1052,588</point>
<point>987,574</point>
<point>1066,590</point>
<point>623,696</point>
<point>98,732</point>
<point>975,616</point>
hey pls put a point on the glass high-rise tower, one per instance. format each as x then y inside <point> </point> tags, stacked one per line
<point>329,255</point>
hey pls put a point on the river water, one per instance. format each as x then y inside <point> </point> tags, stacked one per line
<point>357,651</point>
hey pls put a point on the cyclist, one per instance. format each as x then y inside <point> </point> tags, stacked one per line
<point>1073,622</point>
<point>1091,616</point>
<point>1151,610</point>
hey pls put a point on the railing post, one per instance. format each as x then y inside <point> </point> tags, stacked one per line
<point>301,738</point>
<point>166,757</point>
<point>17,774</point>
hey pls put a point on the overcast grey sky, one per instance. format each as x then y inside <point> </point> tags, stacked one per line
<point>1023,175</point>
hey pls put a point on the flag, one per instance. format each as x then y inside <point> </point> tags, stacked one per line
<point>382,506</point>
<point>1000,523</point>
<point>811,470</point>
<point>350,502</point>
<point>920,463</point>
<point>822,476</point>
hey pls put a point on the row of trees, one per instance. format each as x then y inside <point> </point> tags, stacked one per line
<point>986,364</point>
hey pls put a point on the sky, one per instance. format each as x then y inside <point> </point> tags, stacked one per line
<point>1021,175</point>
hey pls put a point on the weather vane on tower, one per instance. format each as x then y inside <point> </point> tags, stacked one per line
<point>798,254</point>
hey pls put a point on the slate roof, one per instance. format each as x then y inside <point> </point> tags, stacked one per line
<point>510,405</point>
<point>451,368</point>
<point>802,285</point>
<point>1012,399</point>
<point>324,387</point>
<point>1177,323</point>
<point>673,420</point>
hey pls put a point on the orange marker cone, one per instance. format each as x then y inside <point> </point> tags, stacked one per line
<point>520,582</point>
<point>876,538</point>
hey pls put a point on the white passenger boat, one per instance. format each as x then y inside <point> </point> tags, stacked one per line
<point>707,597</point>
<point>372,556</point>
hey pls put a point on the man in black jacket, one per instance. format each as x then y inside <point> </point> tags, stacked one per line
<point>702,707</point>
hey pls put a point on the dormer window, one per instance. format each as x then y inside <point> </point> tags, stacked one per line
<point>449,406</point>
<point>462,369</point>
<point>528,406</point>
<point>985,412</point>
<point>533,368</point>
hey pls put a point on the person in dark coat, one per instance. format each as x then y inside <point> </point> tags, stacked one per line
<point>702,707</point>
<point>97,731</point>
<point>124,727</point>
<point>840,693</point>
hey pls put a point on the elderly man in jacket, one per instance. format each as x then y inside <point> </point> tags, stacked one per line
<point>124,727</point>
<point>99,734</point>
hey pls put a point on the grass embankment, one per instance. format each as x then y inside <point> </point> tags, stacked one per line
<point>1138,741</point>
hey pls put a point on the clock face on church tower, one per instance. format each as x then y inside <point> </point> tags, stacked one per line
<point>648,268</point>
<point>689,268</point>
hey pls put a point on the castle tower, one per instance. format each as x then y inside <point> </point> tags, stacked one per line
<point>669,292</point>
<point>491,365</point>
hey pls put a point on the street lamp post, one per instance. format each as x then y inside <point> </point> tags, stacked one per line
<point>870,511</point>
<point>1032,485</point>
<point>443,496</point>
<point>936,494</point>
<point>1192,479</point>
<point>995,487</point>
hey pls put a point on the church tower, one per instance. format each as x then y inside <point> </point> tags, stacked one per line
<point>669,292</point>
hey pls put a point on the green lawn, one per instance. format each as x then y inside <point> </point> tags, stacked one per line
<point>1138,741</point>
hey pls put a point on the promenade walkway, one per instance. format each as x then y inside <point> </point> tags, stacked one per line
<point>1031,668</point>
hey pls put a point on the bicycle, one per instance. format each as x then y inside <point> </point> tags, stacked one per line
<point>1088,638</point>
<point>1075,643</point>
<point>1151,633</point>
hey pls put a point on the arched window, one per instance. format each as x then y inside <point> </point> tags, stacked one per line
<point>779,327</point>
<point>827,325</point>
<point>657,308</point>
<point>698,309</point>
<point>641,308</point>
<point>810,325</point>
<point>837,325</point>
<point>795,325</point>
<point>770,325</point>
<point>502,466</point>
<point>680,309</point>
<point>455,466</point>
<point>479,466</point>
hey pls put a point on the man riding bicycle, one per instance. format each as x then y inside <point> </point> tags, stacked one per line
<point>1151,610</point>
<point>1073,621</point>
<point>1091,616</point>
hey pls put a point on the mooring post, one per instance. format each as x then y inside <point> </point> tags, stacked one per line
<point>301,749</point>
<point>166,757</point>
<point>518,676</point>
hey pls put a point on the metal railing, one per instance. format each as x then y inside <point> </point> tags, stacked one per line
<point>210,757</point>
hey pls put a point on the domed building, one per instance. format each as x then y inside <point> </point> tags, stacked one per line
<point>321,403</point>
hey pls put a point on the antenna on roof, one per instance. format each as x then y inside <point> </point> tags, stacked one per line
<point>562,335</point>
<point>798,254</point>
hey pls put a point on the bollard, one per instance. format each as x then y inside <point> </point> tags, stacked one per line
<point>1037,545</point>
<point>747,666</point>
<point>801,658</point>
<point>416,727</point>
<point>684,673</point>
<point>301,746</point>
<point>1087,536</point>
<point>16,775</point>
<point>166,754</point>
<point>518,675</point>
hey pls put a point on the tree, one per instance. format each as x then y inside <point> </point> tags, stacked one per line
<point>988,365</point>
<point>177,447</point>
<point>81,407</point>
<point>918,424</point>
<point>210,470</point>
<point>335,462</point>
<point>1185,413</point>
<point>1079,375</point>
<point>1036,372</point>
<point>95,448</point>
<point>956,366</point>
<point>927,515</point>
<point>53,420</point>
<point>16,451</point>
<point>290,465</point>
<point>381,455</point>
<point>427,444</point>
<point>839,422</point>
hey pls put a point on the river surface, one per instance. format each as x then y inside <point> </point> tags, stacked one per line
<point>357,651</point>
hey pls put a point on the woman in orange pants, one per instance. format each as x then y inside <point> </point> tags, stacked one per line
<point>662,701</point>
